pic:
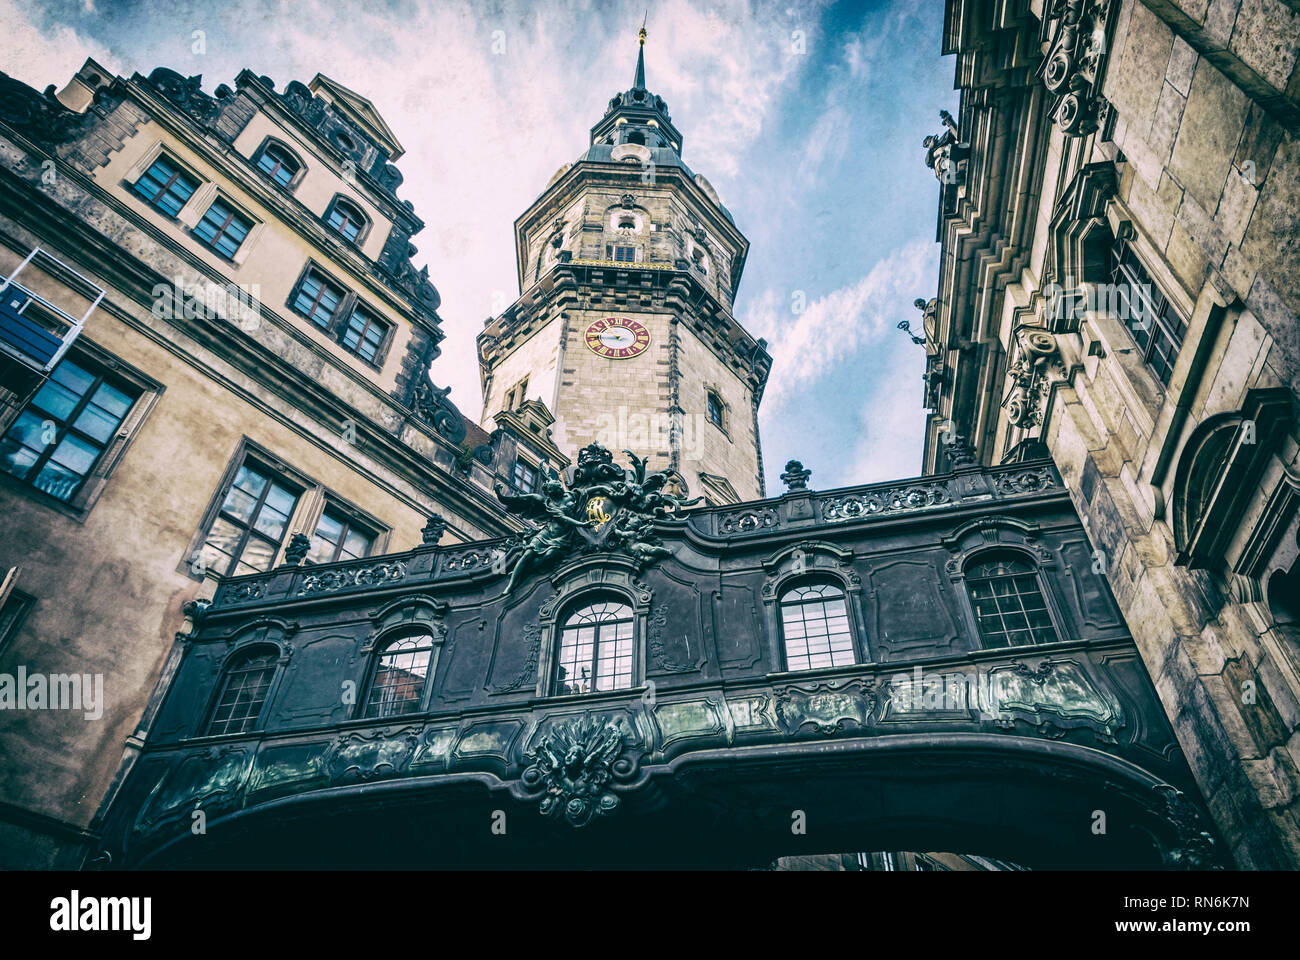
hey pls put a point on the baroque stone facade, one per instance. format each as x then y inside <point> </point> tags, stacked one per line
<point>1118,288</point>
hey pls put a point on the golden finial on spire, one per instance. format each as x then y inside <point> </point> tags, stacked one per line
<point>641,37</point>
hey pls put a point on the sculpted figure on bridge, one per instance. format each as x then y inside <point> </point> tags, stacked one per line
<point>607,508</point>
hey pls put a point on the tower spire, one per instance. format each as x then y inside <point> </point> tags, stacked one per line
<point>638,82</point>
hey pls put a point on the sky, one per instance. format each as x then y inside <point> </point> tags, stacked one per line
<point>807,118</point>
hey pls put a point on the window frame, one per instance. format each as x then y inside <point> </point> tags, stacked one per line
<point>570,609</point>
<point>373,317</point>
<point>242,652</point>
<point>353,519</point>
<point>271,143</point>
<point>246,449</point>
<point>236,211</point>
<point>381,646</point>
<point>345,304</point>
<point>165,156</point>
<point>712,398</point>
<point>364,222</point>
<point>86,353</point>
<point>1036,571</point>
<point>819,579</point>
<point>13,613</point>
<point>525,465</point>
<point>1126,268</point>
<point>313,500</point>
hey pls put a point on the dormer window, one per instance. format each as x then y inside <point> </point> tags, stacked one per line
<point>346,219</point>
<point>278,163</point>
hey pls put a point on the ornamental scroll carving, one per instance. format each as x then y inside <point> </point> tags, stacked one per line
<point>1027,378</point>
<point>331,580</point>
<point>911,497</point>
<point>1075,62</point>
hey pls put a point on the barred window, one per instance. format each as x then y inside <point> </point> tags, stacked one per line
<point>1008,603</point>
<point>815,627</point>
<point>1156,327</point>
<point>401,674</point>
<point>166,186</point>
<point>596,647</point>
<point>243,691</point>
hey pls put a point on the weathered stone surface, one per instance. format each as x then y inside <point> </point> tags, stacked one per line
<point>1207,139</point>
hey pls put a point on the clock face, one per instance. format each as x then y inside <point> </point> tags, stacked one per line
<point>617,338</point>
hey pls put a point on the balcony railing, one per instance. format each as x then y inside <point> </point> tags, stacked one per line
<point>35,333</point>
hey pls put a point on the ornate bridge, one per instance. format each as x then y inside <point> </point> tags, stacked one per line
<point>928,665</point>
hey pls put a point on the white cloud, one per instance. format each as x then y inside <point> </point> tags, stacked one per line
<point>40,55</point>
<point>832,330</point>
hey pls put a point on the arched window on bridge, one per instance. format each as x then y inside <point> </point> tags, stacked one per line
<point>401,676</point>
<point>597,643</point>
<point>244,689</point>
<point>1008,601</point>
<point>815,627</point>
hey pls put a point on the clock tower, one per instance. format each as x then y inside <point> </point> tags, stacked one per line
<point>628,265</point>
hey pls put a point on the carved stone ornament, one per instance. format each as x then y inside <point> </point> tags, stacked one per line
<point>1075,61</point>
<point>574,766</point>
<point>432,405</point>
<point>945,154</point>
<point>40,116</point>
<point>795,476</point>
<point>331,580</point>
<point>1196,849</point>
<point>1027,379</point>
<point>606,508</point>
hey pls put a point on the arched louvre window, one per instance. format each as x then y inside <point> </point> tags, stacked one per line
<point>278,164</point>
<point>401,675</point>
<point>243,691</point>
<point>815,627</point>
<point>1009,606</point>
<point>596,646</point>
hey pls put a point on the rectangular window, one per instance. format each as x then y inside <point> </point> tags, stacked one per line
<point>340,536</point>
<point>715,408</point>
<point>249,527</point>
<point>525,477</point>
<point>625,254</point>
<point>166,186</point>
<point>223,228</point>
<point>60,436</point>
<point>1156,327</point>
<point>364,335</point>
<point>317,299</point>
